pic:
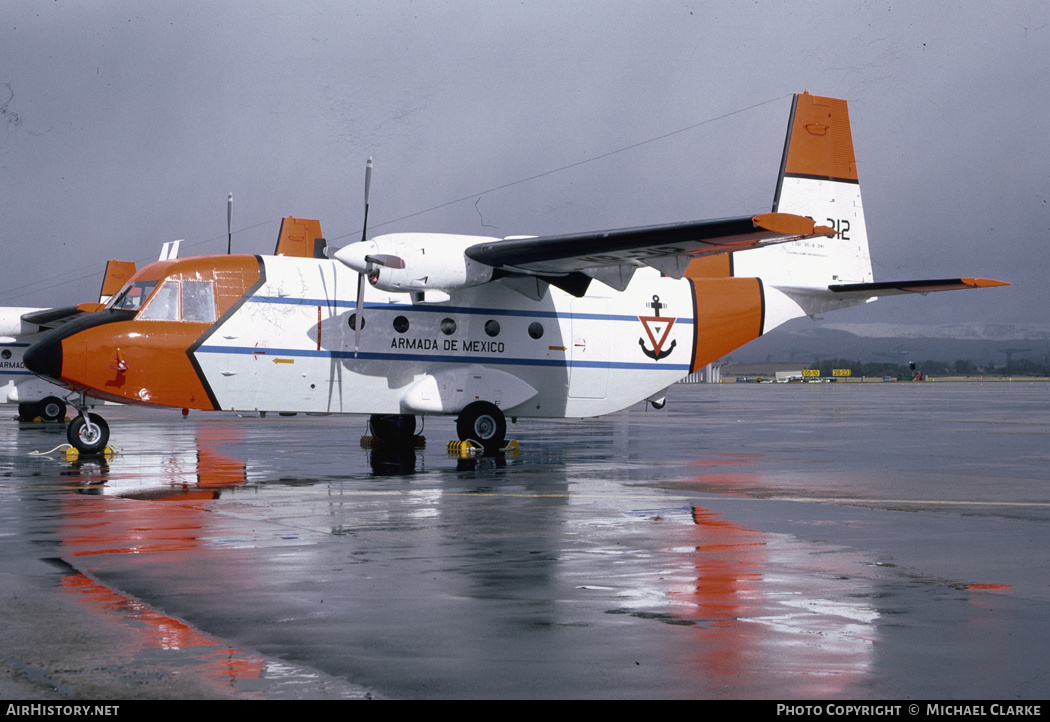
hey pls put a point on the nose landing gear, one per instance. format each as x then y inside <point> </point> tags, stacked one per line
<point>87,433</point>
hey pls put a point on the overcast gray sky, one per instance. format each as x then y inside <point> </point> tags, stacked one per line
<point>126,124</point>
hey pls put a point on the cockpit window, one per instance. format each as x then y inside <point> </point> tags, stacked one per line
<point>132,296</point>
<point>164,306</point>
<point>196,302</point>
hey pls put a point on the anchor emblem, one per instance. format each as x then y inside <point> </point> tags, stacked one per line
<point>657,326</point>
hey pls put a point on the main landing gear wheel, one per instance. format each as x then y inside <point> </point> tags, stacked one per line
<point>51,408</point>
<point>397,429</point>
<point>483,422</point>
<point>88,434</point>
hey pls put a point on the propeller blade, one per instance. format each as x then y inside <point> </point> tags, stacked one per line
<point>368,178</point>
<point>368,186</point>
<point>229,223</point>
<point>359,319</point>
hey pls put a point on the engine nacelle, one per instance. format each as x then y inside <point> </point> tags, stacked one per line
<point>402,262</point>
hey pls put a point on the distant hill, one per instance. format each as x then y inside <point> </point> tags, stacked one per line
<point>804,342</point>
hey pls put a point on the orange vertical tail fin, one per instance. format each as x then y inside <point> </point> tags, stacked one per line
<point>117,274</point>
<point>300,237</point>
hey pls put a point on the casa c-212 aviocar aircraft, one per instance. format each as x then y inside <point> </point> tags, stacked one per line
<point>410,324</point>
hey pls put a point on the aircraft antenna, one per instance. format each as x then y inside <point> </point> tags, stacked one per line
<point>229,224</point>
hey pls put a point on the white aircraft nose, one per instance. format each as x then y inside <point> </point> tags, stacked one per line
<point>353,255</point>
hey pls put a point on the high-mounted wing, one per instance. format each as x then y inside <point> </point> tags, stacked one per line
<point>419,262</point>
<point>668,248</point>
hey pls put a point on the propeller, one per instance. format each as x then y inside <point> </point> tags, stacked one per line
<point>360,257</point>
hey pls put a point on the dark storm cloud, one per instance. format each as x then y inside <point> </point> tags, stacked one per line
<point>124,125</point>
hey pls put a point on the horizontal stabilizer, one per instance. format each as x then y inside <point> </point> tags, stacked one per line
<point>890,288</point>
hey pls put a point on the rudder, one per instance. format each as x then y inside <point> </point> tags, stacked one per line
<point>818,178</point>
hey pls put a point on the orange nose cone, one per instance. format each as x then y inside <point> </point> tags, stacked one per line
<point>45,356</point>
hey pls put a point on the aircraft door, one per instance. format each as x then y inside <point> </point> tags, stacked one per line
<point>589,349</point>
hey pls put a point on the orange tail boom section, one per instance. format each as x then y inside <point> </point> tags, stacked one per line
<point>730,312</point>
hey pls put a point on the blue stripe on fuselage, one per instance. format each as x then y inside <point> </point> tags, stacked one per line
<point>471,310</point>
<point>435,358</point>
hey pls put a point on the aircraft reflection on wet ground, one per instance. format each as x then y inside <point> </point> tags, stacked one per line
<point>791,542</point>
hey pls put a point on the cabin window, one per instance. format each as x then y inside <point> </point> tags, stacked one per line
<point>492,328</point>
<point>400,324</point>
<point>448,326</point>
<point>536,329</point>
<point>198,301</point>
<point>132,296</point>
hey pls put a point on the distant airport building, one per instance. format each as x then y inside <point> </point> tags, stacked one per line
<point>710,374</point>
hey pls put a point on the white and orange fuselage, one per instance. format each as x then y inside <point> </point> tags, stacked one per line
<point>282,339</point>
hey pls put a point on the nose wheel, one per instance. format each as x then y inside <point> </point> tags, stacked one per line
<point>88,433</point>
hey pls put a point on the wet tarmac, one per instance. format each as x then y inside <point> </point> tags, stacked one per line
<point>748,541</point>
